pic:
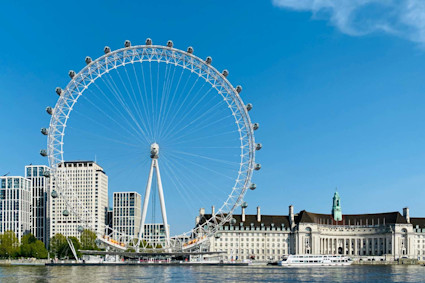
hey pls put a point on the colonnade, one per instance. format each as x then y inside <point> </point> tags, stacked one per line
<point>357,246</point>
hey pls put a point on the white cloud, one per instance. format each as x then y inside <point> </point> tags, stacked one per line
<point>404,18</point>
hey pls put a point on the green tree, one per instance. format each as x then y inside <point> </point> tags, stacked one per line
<point>77,247</point>
<point>31,247</point>
<point>60,248</point>
<point>39,250</point>
<point>88,240</point>
<point>9,245</point>
<point>26,245</point>
<point>58,245</point>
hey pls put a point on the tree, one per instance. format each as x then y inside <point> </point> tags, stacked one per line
<point>39,250</point>
<point>9,245</point>
<point>26,245</point>
<point>57,245</point>
<point>88,240</point>
<point>77,247</point>
<point>60,248</point>
<point>31,247</point>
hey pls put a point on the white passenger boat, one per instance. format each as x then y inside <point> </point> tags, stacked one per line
<point>314,260</point>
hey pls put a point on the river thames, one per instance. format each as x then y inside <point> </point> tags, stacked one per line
<point>394,273</point>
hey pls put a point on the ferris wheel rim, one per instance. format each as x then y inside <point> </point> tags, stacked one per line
<point>56,137</point>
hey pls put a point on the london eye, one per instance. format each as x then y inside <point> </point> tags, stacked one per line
<point>142,108</point>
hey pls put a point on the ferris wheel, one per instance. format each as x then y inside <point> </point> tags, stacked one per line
<point>143,106</point>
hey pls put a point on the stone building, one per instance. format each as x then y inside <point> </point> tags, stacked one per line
<point>88,186</point>
<point>381,236</point>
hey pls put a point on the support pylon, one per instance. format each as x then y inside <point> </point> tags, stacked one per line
<point>154,166</point>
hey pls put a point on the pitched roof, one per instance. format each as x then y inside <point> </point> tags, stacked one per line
<point>267,220</point>
<point>318,218</point>
<point>351,219</point>
<point>417,221</point>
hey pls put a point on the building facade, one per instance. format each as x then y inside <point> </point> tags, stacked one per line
<point>15,205</point>
<point>154,234</point>
<point>127,213</point>
<point>380,236</point>
<point>40,192</point>
<point>87,186</point>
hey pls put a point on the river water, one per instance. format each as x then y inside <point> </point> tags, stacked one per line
<point>91,274</point>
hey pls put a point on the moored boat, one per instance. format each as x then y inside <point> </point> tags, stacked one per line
<point>315,260</point>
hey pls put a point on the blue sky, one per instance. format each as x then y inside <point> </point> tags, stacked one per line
<point>340,100</point>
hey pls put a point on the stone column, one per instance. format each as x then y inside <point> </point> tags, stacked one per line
<point>367,246</point>
<point>350,242</point>
<point>355,246</point>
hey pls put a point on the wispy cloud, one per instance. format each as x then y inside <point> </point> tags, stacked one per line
<point>404,18</point>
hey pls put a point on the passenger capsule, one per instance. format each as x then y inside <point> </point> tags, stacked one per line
<point>65,212</point>
<point>258,146</point>
<point>208,60</point>
<point>170,43</point>
<point>127,43</point>
<point>107,49</point>
<point>44,131</point>
<point>49,110</point>
<point>233,221</point>
<point>54,194</point>
<point>88,60</point>
<point>58,90</point>
<point>43,152</point>
<point>249,106</point>
<point>256,126</point>
<point>253,187</point>
<point>238,89</point>
<point>225,73</point>
<point>244,204</point>
<point>190,50</point>
<point>257,166</point>
<point>71,74</point>
<point>148,41</point>
<point>80,229</point>
<point>46,173</point>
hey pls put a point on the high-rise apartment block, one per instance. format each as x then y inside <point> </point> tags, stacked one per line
<point>154,234</point>
<point>15,205</point>
<point>87,187</point>
<point>40,193</point>
<point>127,213</point>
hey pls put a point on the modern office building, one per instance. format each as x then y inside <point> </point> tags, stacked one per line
<point>15,205</point>
<point>86,190</point>
<point>155,234</point>
<point>380,236</point>
<point>40,192</point>
<point>127,214</point>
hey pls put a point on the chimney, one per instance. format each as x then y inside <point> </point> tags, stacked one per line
<point>197,220</point>
<point>202,211</point>
<point>243,214</point>
<point>406,214</point>
<point>258,214</point>
<point>291,216</point>
<point>213,210</point>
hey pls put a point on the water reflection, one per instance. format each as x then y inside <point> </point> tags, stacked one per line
<point>93,274</point>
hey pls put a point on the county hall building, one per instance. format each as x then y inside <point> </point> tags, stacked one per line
<point>380,236</point>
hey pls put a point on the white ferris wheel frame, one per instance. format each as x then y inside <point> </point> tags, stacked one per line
<point>161,54</point>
